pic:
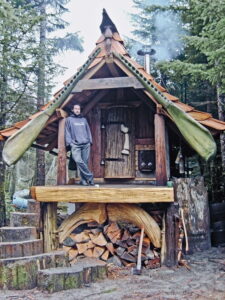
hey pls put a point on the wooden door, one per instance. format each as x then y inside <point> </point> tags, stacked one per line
<point>118,164</point>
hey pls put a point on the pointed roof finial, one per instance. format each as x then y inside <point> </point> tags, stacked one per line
<point>107,22</point>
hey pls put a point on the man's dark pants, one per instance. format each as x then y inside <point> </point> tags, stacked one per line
<point>80,155</point>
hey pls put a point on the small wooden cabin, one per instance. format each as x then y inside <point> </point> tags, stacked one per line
<point>133,135</point>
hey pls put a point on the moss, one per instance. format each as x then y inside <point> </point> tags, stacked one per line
<point>73,281</point>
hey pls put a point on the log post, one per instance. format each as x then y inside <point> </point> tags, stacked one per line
<point>160,150</point>
<point>50,209</point>
<point>171,235</point>
<point>61,170</point>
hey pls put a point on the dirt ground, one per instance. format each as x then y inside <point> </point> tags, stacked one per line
<point>205,280</point>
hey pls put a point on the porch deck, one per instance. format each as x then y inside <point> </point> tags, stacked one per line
<point>105,193</point>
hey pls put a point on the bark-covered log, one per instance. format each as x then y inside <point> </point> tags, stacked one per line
<point>191,194</point>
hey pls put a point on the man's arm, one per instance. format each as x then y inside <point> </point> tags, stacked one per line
<point>68,138</point>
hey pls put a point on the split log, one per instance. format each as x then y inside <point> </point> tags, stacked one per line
<point>72,253</point>
<point>105,255</point>
<point>98,251</point>
<point>89,212</point>
<point>88,253</point>
<point>82,237</point>
<point>98,239</point>
<point>110,247</point>
<point>134,214</point>
<point>82,247</point>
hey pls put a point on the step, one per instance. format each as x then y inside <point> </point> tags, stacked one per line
<point>21,272</point>
<point>83,272</point>
<point>22,248</point>
<point>16,234</point>
<point>19,219</point>
<point>33,206</point>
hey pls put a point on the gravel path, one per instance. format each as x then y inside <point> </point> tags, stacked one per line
<point>204,281</point>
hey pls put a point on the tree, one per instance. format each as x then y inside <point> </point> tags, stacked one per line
<point>16,56</point>
<point>196,74</point>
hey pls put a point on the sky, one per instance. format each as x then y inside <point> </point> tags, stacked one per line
<point>85,16</point>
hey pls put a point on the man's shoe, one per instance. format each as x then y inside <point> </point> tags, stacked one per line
<point>82,182</point>
<point>91,182</point>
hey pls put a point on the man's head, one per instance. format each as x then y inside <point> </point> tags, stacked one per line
<point>76,109</point>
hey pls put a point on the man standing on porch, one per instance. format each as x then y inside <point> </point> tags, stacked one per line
<point>78,137</point>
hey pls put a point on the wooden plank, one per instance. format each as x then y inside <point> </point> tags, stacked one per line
<point>103,194</point>
<point>115,143</point>
<point>144,141</point>
<point>107,83</point>
<point>160,150</point>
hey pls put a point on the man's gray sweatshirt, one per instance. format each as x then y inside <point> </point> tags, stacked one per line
<point>77,131</point>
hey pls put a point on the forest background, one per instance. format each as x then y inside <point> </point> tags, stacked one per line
<point>188,39</point>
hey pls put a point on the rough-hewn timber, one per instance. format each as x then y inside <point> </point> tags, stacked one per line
<point>103,194</point>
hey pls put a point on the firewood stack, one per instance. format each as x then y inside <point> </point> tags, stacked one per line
<point>114,243</point>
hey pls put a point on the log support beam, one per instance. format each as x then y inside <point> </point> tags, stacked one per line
<point>49,210</point>
<point>171,235</point>
<point>160,150</point>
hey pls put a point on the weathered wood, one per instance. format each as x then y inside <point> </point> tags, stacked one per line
<point>87,213</point>
<point>90,105</point>
<point>62,166</point>
<point>107,83</point>
<point>94,118</point>
<point>49,221</point>
<point>160,150</point>
<point>99,239</point>
<point>16,234</point>
<point>191,194</point>
<point>171,224</point>
<point>18,219</point>
<point>21,272</point>
<point>98,251</point>
<point>114,143</point>
<point>49,210</point>
<point>103,194</point>
<point>137,216</point>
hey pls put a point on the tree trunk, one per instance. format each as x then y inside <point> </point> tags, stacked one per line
<point>191,194</point>
<point>40,154</point>
<point>3,94</point>
<point>221,114</point>
<point>2,192</point>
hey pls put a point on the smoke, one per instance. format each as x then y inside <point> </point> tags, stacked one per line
<point>168,33</point>
<point>166,37</point>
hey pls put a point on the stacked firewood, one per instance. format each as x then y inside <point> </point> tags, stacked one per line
<point>114,243</point>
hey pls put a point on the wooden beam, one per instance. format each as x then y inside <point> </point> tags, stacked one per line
<point>160,150</point>
<point>94,70</point>
<point>44,148</point>
<point>103,194</point>
<point>61,171</point>
<point>171,235</point>
<point>111,66</point>
<point>46,139</point>
<point>123,68</point>
<point>52,145</point>
<point>93,102</point>
<point>49,210</point>
<point>107,83</point>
